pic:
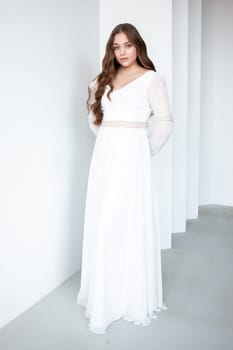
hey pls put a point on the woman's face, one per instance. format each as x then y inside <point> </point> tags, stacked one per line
<point>125,52</point>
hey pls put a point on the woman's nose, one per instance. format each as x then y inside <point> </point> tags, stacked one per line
<point>122,50</point>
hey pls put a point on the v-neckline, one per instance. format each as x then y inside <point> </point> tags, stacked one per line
<point>132,81</point>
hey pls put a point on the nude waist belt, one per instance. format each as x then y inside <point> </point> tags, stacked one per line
<point>124,123</point>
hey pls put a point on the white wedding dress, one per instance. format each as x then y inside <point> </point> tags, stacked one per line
<point>121,259</point>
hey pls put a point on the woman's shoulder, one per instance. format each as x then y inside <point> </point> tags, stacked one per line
<point>157,79</point>
<point>158,76</point>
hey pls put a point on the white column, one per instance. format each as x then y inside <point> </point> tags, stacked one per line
<point>180,111</point>
<point>194,87</point>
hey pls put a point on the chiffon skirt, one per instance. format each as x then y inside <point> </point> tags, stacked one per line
<point>121,259</point>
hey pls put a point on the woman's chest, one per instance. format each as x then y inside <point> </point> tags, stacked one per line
<point>129,97</point>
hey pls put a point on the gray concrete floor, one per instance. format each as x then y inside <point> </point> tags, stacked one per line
<point>198,290</point>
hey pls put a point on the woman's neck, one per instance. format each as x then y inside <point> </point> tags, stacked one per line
<point>133,69</point>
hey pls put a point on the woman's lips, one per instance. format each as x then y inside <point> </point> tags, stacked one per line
<point>123,59</point>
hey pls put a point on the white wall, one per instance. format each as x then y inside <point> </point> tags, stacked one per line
<point>202,106</point>
<point>49,52</point>
<point>216,165</point>
<point>154,22</point>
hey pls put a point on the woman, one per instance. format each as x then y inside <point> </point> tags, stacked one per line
<point>121,262</point>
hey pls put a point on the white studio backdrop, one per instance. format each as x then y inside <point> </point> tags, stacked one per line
<point>50,51</point>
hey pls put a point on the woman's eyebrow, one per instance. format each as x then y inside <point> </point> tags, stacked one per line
<point>123,43</point>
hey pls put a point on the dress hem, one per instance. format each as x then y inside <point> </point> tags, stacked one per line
<point>124,317</point>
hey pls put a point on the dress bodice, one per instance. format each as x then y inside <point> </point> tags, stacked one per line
<point>129,103</point>
<point>137,101</point>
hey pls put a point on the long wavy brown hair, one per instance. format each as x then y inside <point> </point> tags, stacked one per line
<point>110,66</point>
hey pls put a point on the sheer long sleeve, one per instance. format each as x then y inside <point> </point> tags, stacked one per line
<point>159,102</point>
<point>91,117</point>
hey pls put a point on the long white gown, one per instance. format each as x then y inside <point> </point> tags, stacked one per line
<point>121,258</point>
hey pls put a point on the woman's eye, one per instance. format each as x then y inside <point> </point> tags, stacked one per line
<point>128,46</point>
